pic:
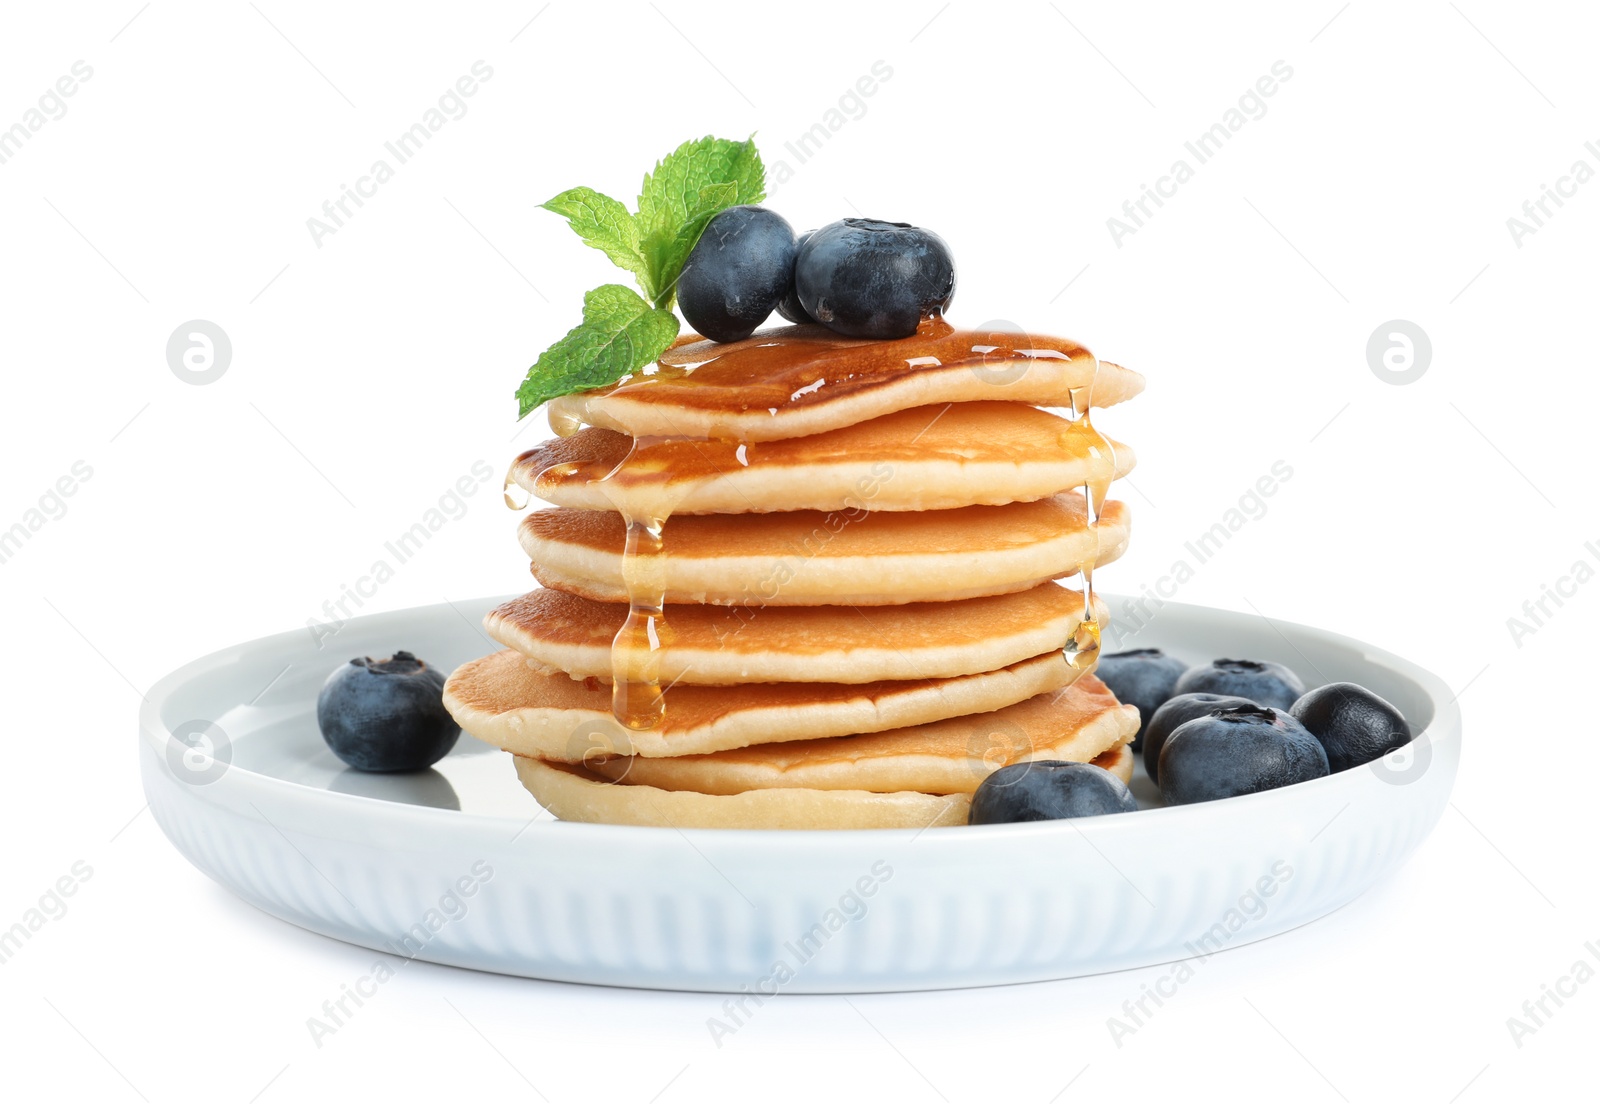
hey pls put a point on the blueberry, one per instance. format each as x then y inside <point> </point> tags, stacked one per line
<point>1143,678</point>
<point>870,279</point>
<point>386,716</point>
<point>737,272</point>
<point>1030,791</point>
<point>1237,751</point>
<point>1354,725</point>
<point>1266,682</point>
<point>790,307</point>
<point>1173,714</point>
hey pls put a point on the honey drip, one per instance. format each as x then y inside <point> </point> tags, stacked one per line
<point>637,699</point>
<point>1081,438</point>
<point>563,424</point>
<point>515,496</point>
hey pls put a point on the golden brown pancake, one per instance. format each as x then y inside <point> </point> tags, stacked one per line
<point>919,459</point>
<point>794,381</point>
<point>855,542</point>
<point>847,645</point>
<point>573,793</point>
<point>806,558</point>
<point>508,701</point>
<point>1117,762</point>
<point>1075,723</point>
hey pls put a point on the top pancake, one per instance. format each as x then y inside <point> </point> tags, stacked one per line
<point>919,459</point>
<point>795,381</point>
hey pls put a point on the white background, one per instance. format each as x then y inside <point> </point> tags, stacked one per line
<point>371,371</point>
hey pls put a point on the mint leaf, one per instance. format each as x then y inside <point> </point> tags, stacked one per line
<point>667,255</point>
<point>686,189</point>
<point>606,225</point>
<point>672,191</point>
<point>620,333</point>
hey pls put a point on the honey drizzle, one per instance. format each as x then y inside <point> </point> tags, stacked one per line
<point>781,368</point>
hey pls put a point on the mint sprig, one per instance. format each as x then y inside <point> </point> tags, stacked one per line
<point>622,332</point>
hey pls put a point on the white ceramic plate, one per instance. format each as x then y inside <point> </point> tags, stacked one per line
<point>458,865</point>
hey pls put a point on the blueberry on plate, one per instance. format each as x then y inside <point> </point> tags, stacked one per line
<point>1237,751</point>
<point>1173,714</point>
<point>866,278</point>
<point>737,272</point>
<point>1354,725</point>
<point>1266,682</point>
<point>790,306</point>
<point>1143,678</point>
<point>1031,791</point>
<point>386,716</point>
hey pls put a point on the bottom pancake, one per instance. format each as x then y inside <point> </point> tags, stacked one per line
<point>573,793</point>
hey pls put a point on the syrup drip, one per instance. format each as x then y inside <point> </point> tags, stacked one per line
<point>515,496</point>
<point>564,424</point>
<point>1082,651</point>
<point>637,699</point>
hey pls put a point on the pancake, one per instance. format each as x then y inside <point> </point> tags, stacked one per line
<point>793,381</point>
<point>919,459</point>
<point>848,645</point>
<point>1075,723</point>
<point>806,558</point>
<point>575,794</point>
<point>507,701</point>
<point>1117,762</point>
<point>572,793</point>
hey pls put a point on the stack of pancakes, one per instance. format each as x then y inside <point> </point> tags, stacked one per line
<point>821,571</point>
